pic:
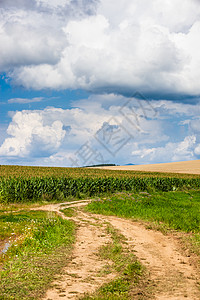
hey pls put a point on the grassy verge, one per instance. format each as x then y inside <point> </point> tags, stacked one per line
<point>69,212</point>
<point>191,242</point>
<point>38,245</point>
<point>13,207</point>
<point>162,210</point>
<point>129,282</point>
<point>176,210</point>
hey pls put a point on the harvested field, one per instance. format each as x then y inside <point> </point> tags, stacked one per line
<point>185,167</point>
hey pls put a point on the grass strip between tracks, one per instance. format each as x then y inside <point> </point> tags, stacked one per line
<point>131,280</point>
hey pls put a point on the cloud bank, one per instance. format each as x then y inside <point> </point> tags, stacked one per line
<point>112,51</point>
<point>92,133</point>
<point>149,46</point>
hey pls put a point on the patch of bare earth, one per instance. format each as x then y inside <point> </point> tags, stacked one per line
<point>172,273</point>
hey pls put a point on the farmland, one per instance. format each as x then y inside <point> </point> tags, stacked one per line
<point>32,240</point>
<point>27,172</point>
<point>22,184</point>
<point>176,210</point>
<point>182,167</point>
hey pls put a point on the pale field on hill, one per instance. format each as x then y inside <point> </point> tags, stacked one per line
<point>187,167</point>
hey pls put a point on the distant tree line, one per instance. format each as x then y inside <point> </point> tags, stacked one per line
<point>101,165</point>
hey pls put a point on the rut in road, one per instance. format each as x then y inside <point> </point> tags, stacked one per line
<point>172,274</point>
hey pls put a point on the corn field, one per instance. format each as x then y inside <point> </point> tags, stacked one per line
<point>22,189</point>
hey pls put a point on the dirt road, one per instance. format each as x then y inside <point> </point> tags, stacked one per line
<point>172,273</point>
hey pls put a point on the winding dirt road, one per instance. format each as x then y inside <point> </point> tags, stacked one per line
<point>171,272</point>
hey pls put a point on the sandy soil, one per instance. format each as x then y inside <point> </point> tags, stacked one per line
<point>172,272</point>
<point>187,167</point>
<point>84,273</point>
<point>173,275</point>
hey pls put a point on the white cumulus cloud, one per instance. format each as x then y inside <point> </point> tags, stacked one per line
<point>170,152</point>
<point>30,136</point>
<point>150,46</point>
<point>130,132</point>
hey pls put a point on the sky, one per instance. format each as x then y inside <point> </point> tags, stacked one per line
<point>93,82</point>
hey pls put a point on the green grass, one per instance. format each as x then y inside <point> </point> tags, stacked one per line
<point>192,242</point>
<point>40,244</point>
<point>15,224</point>
<point>69,212</point>
<point>12,207</point>
<point>176,210</point>
<point>195,240</point>
<point>130,272</point>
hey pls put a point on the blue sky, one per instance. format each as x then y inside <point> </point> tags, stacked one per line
<point>90,82</point>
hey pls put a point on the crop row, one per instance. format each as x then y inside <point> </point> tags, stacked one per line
<point>31,171</point>
<point>32,189</point>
